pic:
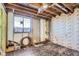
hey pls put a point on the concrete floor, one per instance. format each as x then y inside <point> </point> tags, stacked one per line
<point>49,49</point>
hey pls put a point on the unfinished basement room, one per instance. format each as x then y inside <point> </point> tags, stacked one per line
<point>39,29</point>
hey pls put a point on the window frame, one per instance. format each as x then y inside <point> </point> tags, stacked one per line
<point>16,15</point>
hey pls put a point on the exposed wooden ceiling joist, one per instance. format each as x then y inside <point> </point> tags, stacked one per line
<point>18,6</point>
<point>38,5</point>
<point>56,9</point>
<point>12,6</point>
<point>51,14</point>
<point>23,11</point>
<point>47,15</point>
<point>71,5</point>
<point>71,9</point>
<point>52,11</point>
<point>60,8</point>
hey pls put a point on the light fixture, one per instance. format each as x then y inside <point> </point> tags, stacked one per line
<point>43,8</point>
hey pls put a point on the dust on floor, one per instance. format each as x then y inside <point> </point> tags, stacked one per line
<point>49,49</point>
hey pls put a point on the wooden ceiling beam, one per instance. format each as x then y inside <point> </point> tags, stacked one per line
<point>24,11</point>
<point>40,4</point>
<point>37,4</point>
<point>52,11</point>
<point>72,5</point>
<point>46,12</point>
<point>20,13</point>
<point>66,7</point>
<point>70,8</point>
<point>26,14</point>
<point>59,7</point>
<point>55,9</point>
<point>26,8</point>
<point>53,14</point>
<point>23,8</point>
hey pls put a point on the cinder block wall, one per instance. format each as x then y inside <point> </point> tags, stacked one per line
<point>65,30</point>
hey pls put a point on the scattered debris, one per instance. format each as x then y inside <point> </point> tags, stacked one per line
<point>49,49</point>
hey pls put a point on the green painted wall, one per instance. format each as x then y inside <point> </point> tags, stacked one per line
<point>2,29</point>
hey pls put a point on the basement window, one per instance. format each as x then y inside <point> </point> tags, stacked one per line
<point>22,24</point>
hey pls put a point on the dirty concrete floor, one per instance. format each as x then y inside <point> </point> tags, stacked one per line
<point>49,49</point>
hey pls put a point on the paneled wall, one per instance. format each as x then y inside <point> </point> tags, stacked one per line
<point>65,30</point>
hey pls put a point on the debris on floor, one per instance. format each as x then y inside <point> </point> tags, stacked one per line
<point>49,49</point>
